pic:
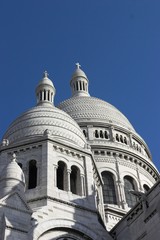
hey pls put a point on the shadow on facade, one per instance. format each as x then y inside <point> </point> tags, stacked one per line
<point>80,221</point>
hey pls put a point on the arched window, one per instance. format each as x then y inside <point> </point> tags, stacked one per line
<point>117,137</point>
<point>80,85</point>
<point>109,193</point>
<point>75,180</point>
<point>106,135</point>
<point>125,140</point>
<point>121,138</point>
<point>129,185</point>
<point>96,134</point>
<point>85,132</point>
<point>61,175</point>
<point>32,181</point>
<point>48,95</point>
<point>44,94</point>
<point>77,86</point>
<point>101,134</point>
<point>146,188</point>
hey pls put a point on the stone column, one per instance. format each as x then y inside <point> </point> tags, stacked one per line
<point>112,134</point>
<point>90,132</point>
<point>120,187</point>
<point>130,139</point>
<point>55,175</point>
<point>82,186</point>
<point>68,180</point>
<point>139,180</point>
<point>38,173</point>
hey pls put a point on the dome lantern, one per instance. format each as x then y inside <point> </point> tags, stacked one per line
<point>79,83</point>
<point>45,90</point>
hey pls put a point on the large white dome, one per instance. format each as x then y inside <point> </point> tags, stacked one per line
<point>91,109</point>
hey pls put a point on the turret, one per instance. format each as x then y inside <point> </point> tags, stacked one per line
<point>45,91</point>
<point>79,83</point>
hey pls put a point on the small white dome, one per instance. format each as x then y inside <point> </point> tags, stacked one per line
<point>79,73</point>
<point>46,80</point>
<point>12,178</point>
<point>14,172</point>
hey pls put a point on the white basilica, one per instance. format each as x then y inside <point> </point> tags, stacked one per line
<point>78,171</point>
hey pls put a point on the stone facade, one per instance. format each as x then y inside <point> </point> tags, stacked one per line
<point>73,174</point>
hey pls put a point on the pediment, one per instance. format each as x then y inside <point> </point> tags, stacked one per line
<point>15,200</point>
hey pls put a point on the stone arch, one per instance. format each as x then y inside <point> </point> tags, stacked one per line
<point>43,227</point>
<point>109,169</point>
<point>77,164</point>
<point>131,174</point>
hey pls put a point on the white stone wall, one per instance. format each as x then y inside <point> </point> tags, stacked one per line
<point>143,221</point>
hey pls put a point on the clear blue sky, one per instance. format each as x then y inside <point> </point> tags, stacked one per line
<point>116,42</point>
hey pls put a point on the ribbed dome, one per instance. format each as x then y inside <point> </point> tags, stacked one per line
<point>89,109</point>
<point>34,122</point>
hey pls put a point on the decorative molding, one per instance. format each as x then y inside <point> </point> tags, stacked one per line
<point>61,201</point>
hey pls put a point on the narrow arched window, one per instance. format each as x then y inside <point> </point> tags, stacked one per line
<point>106,135</point>
<point>85,133</point>
<point>75,180</point>
<point>125,140</point>
<point>129,185</point>
<point>101,134</point>
<point>32,181</point>
<point>80,85</point>
<point>61,175</point>
<point>109,193</point>
<point>44,94</point>
<point>146,188</point>
<point>121,138</point>
<point>77,86</point>
<point>117,137</point>
<point>48,95</point>
<point>96,134</point>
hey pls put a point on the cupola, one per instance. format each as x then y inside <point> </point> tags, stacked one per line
<point>45,91</point>
<point>79,82</point>
<point>12,177</point>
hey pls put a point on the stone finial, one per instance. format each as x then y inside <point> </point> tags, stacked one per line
<point>45,74</point>
<point>14,157</point>
<point>5,142</point>
<point>78,65</point>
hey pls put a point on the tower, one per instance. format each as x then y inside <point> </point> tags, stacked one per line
<point>63,186</point>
